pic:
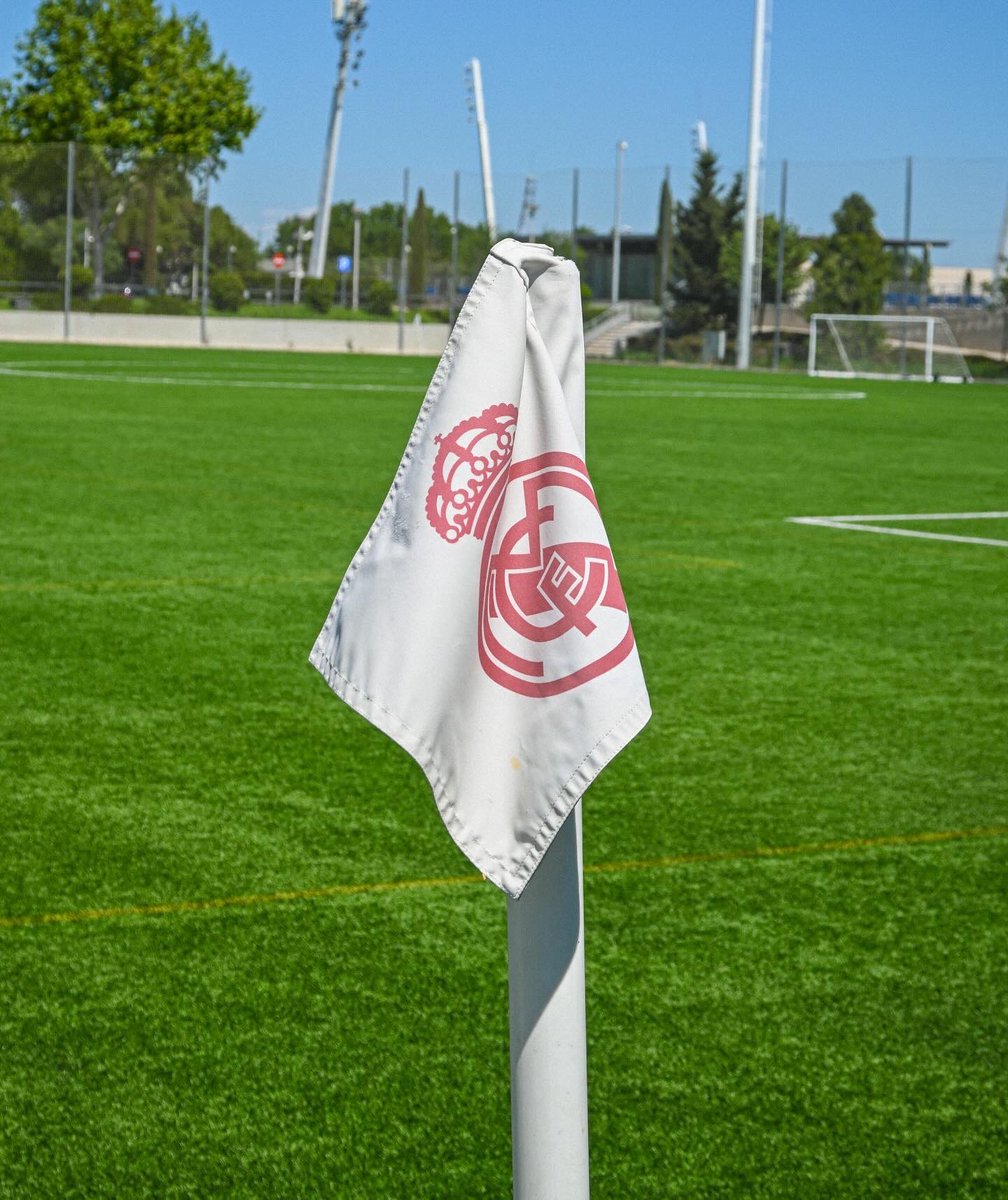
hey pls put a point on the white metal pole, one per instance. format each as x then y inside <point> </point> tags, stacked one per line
<point>205,281</point>
<point>929,349</point>
<point>743,339</point>
<point>575,182</point>
<point>68,243</point>
<point>549,1059</point>
<point>812,346</point>
<point>404,262</point>
<point>779,282</point>
<point>355,286</point>
<point>621,148</point>
<point>484,148</point>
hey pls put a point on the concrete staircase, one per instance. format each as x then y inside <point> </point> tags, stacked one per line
<point>608,333</point>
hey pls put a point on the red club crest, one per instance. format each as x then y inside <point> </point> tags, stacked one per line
<point>551,610</point>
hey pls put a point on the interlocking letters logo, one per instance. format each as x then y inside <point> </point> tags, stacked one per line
<point>551,610</point>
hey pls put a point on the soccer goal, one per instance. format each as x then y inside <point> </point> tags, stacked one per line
<point>841,346</point>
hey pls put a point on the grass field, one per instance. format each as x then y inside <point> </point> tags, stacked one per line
<point>795,878</point>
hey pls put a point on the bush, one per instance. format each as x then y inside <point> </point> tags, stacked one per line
<point>47,301</point>
<point>112,304</point>
<point>317,294</point>
<point>227,291</point>
<point>168,306</point>
<point>81,279</point>
<point>379,297</point>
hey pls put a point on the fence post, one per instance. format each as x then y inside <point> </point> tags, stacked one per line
<point>68,241</point>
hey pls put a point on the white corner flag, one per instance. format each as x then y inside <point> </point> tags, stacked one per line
<point>482,625</point>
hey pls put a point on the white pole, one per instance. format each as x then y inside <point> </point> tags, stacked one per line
<point>205,281</point>
<point>743,340</point>
<point>68,242</point>
<point>929,349</point>
<point>355,286</point>
<point>621,148</point>
<point>404,262</point>
<point>549,1060</point>
<point>484,148</point>
<point>348,20</point>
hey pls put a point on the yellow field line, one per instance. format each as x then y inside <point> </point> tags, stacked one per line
<point>839,846</point>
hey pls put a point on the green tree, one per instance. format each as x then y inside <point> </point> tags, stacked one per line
<point>419,241</point>
<point>140,89</point>
<point>702,294</point>
<point>666,221</point>
<point>796,252</point>
<point>851,266</point>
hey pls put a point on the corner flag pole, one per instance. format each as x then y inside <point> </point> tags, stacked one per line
<point>546,1000</point>
<point>549,1059</point>
<point>743,339</point>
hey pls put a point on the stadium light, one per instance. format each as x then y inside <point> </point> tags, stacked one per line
<point>348,18</point>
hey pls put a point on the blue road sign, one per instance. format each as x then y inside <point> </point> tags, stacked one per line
<point>344,263</point>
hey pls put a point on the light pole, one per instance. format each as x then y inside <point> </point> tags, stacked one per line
<point>621,149</point>
<point>348,17</point>
<point>743,338</point>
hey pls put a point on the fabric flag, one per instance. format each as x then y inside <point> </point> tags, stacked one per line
<point>482,625</point>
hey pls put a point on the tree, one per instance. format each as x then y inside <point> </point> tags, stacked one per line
<point>419,240</point>
<point>796,251</point>
<point>851,266</point>
<point>701,292</point>
<point>140,89</point>
<point>666,218</point>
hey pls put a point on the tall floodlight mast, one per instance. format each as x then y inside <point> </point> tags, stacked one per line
<point>475,78</point>
<point>743,339</point>
<point>348,19</point>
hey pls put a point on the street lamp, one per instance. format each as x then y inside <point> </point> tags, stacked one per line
<point>621,149</point>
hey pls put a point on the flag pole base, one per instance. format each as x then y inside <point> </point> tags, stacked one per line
<point>546,987</point>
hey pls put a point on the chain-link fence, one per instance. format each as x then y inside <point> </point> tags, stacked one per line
<point>138,236</point>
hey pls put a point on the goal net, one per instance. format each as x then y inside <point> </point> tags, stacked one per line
<point>884,347</point>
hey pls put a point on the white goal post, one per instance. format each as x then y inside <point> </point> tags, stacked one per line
<point>842,346</point>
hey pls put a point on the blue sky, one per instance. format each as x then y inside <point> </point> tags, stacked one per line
<point>853,89</point>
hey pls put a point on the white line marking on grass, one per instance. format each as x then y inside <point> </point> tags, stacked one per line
<point>53,369</point>
<point>207,381</point>
<point>866,524</point>
<point>730,391</point>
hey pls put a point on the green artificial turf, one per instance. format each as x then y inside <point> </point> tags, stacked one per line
<point>829,1021</point>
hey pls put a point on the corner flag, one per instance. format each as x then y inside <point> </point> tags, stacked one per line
<point>482,625</point>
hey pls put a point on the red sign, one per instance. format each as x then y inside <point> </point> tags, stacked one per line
<point>278,261</point>
<point>133,254</point>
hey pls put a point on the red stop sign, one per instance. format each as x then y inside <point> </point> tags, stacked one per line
<point>278,261</point>
<point>133,254</point>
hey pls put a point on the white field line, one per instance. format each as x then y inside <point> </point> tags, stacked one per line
<point>44,369</point>
<point>730,391</point>
<point>865,524</point>
<point>161,361</point>
<point>207,381</point>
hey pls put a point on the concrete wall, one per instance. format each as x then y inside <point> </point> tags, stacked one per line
<point>236,333</point>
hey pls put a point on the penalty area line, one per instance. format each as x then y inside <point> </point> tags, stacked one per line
<point>665,862</point>
<point>867,524</point>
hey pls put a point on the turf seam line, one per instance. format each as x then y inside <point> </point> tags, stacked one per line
<point>836,846</point>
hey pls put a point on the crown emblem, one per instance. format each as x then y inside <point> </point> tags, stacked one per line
<point>470,461</point>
